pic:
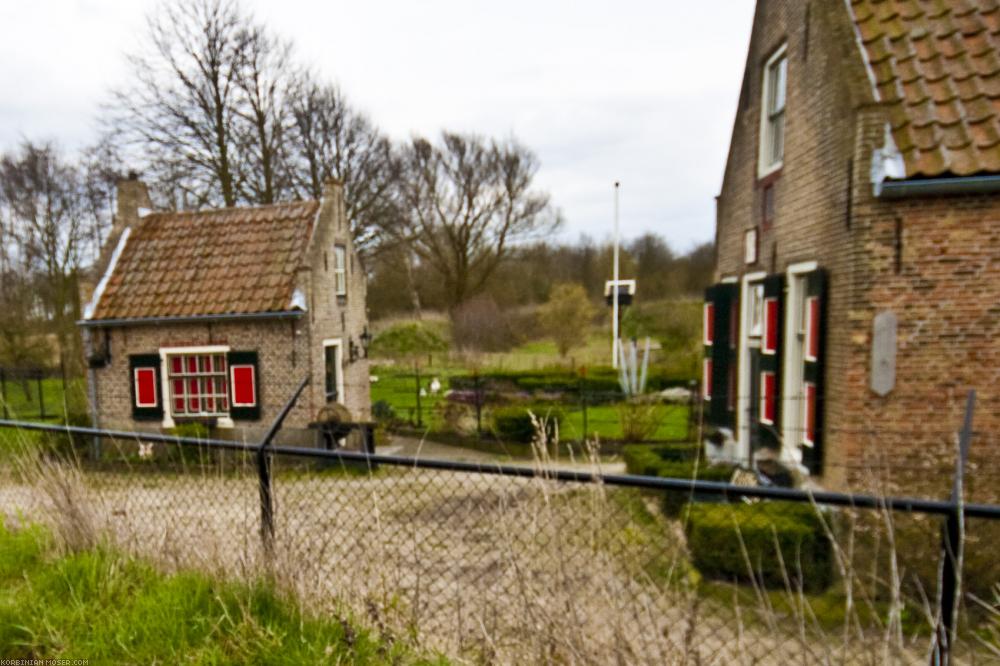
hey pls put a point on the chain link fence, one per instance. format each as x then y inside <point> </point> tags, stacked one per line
<point>527,563</point>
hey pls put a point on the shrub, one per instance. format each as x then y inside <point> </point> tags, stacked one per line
<point>639,420</point>
<point>766,529</point>
<point>514,423</point>
<point>479,325</point>
<point>566,316</point>
<point>674,461</point>
<point>383,413</point>
<point>66,445</point>
<point>407,339</point>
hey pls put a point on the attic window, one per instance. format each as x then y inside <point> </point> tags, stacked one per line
<point>340,270</point>
<point>772,120</point>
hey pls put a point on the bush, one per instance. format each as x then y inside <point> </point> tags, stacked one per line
<point>407,339</point>
<point>674,461</point>
<point>383,412</point>
<point>479,325</point>
<point>514,423</point>
<point>600,385</point>
<point>766,529</point>
<point>66,445</point>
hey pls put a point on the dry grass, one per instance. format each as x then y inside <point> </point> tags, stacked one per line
<point>484,568</point>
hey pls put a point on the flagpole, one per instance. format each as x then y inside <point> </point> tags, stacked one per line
<point>614,291</point>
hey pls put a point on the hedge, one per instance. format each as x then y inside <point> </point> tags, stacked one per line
<point>674,461</point>
<point>514,423</point>
<point>714,533</point>
<point>600,385</point>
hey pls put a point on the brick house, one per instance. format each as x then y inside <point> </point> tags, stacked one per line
<point>858,245</point>
<point>217,316</point>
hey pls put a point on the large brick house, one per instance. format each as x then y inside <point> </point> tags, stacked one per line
<point>858,244</point>
<point>218,315</point>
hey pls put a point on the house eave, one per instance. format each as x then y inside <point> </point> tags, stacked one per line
<point>926,187</point>
<point>189,319</point>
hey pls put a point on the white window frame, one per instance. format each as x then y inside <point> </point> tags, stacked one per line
<point>339,344</point>
<point>222,420</point>
<point>764,165</point>
<point>793,353</point>
<point>340,269</point>
<point>232,384</point>
<point>135,383</point>
<point>743,375</point>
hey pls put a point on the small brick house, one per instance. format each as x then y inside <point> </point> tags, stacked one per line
<point>216,316</point>
<point>858,246</point>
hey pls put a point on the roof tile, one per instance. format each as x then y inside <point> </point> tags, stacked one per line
<point>229,261</point>
<point>936,65</point>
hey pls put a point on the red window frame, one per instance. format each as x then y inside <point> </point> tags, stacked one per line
<point>809,413</point>
<point>709,323</point>
<point>243,379</point>
<point>198,384</point>
<point>146,393</point>
<point>706,379</point>
<point>770,337</point>
<point>768,397</point>
<point>812,328</point>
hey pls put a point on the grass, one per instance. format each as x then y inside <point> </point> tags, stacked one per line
<point>22,398</point>
<point>101,606</point>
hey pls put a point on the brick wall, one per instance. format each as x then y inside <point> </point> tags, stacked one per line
<point>944,294</point>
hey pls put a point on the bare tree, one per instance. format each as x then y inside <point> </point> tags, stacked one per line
<point>468,201</point>
<point>43,198</point>
<point>180,110</point>
<point>333,140</point>
<point>265,80</point>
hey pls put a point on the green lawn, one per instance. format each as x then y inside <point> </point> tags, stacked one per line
<point>23,404</point>
<point>101,606</point>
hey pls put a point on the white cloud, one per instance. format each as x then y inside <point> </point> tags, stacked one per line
<point>642,92</point>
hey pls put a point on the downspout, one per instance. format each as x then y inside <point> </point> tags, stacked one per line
<point>95,412</point>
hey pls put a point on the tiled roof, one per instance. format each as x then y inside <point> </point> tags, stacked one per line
<point>936,63</point>
<point>230,261</point>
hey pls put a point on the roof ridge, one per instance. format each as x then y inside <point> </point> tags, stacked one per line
<point>228,209</point>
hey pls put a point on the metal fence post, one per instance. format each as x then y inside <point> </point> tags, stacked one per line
<point>952,538</point>
<point>3,392</point>
<point>41,396</point>
<point>420,411</point>
<point>583,402</point>
<point>264,474</point>
<point>479,405</point>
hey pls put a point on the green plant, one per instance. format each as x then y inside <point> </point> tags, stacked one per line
<point>639,420</point>
<point>566,316</point>
<point>71,445</point>
<point>406,340</point>
<point>674,461</point>
<point>770,542</point>
<point>383,412</point>
<point>514,423</point>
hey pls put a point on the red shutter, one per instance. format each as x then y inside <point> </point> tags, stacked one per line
<point>244,381</point>
<point>768,397</point>
<point>812,328</point>
<point>809,429</point>
<point>770,326</point>
<point>145,388</point>
<point>706,380</point>
<point>709,323</point>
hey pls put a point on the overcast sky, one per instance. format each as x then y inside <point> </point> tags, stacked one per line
<point>641,92</point>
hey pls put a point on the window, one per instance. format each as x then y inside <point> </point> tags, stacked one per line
<point>812,328</point>
<point>772,135</point>
<point>706,379</point>
<point>770,326</point>
<point>756,313</point>
<point>198,384</point>
<point>809,414</point>
<point>340,270</point>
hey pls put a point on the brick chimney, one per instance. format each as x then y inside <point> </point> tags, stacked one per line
<point>333,204</point>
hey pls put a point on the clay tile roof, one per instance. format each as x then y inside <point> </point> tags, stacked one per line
<point>217,262</point>
<point>936,65</point>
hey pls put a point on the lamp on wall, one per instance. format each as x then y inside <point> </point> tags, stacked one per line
<point>366,340</point>
<point>352,350</point>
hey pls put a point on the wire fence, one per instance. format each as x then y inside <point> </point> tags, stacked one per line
<point>533,564</point>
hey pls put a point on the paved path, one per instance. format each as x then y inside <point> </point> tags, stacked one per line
<point>415,448</point>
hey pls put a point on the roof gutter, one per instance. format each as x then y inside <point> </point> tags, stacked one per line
<point>927,187</point>
<point>190,319</point>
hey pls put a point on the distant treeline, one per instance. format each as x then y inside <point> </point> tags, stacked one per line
<point>529,273</point>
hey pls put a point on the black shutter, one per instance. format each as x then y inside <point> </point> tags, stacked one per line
<point>244,398</point>
<point>812,372</point>
<point>145,409</point>
<point>771,359</point>
<point>719,410</point>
